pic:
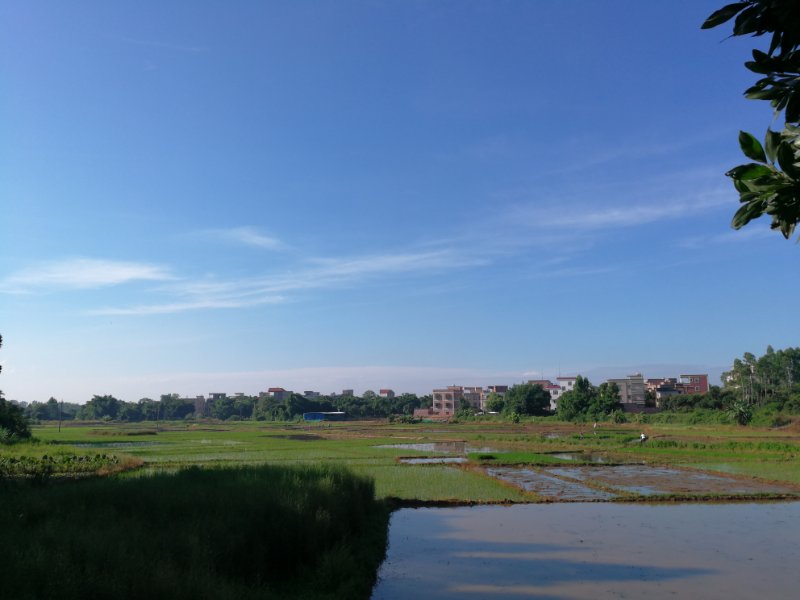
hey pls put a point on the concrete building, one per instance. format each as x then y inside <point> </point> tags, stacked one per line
<point>670,386</point>
<point>694,384</point>
<point>445,403</point>
<point>497,389</point>
<point>561,387</point>
<point>200,405</point>
<point>662,388</point>
<point>386,393</point>
<point>553,389</point>
<point>631,389</point>
<point>474,396</point>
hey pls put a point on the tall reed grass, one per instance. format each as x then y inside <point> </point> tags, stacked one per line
<point>248,532</point>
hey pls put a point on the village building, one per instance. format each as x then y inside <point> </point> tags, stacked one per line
<point>631,390</point>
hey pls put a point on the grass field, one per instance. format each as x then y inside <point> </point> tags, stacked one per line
<point>294,510</point>
<point>237,532</point>
<point>770,453</point>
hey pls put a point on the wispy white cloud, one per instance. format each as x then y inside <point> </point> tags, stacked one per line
<point>176,307</point>
<point>247,236</point>
<point>588,218</point>
<point>211,293</point>
<point>81,273</point>
<point>752,232</point>
<point>592,153</point>
<point>579,271</point>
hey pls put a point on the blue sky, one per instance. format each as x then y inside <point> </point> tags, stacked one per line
<point>210,196</point>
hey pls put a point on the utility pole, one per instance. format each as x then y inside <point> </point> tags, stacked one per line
<point>60,410</point>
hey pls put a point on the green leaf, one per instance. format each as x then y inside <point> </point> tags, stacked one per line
<point>723,14</point>
<point>762,63</point>
<point>747,21</point>
<point>758,67</point>
<point>776,40</point>
<point>760,93</point>
<point>739,217</point>
<point>749,171</point>
<point>751,147</point>
<point>771,142</point>
<point>793,108</point>
<point>745,214</point>
<point>786,160</point>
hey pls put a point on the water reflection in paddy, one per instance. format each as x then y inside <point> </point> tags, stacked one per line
<point>435,460</point>
<point>439,447</point>
<point>547,486</point>
<point>577,551</point>
<point>579,456</point>
<point>582,483</point>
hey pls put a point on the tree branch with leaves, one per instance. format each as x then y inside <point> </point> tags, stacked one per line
<point>771,184</point>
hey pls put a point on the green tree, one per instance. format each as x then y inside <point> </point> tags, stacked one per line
<point>741,412</point>
<point>100,407</point>
<point>575,403</point>
<point>495,402</point>
<point>130,411</point>
<point>13,423</point>
<point>222,408</point>
<point>771,184</point>
<point>405,404</point>
<point>174,408</point>
<point>149,409</point>
<point>771,377</point>
<point>606,401</point>
<point>527,399</point>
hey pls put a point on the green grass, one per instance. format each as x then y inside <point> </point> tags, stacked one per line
<point>215,529</point>
<point>246,532</point>
<point>177,445</point>
<point>30,459</point>
<point>777,470</point>
<point>288,510</point>
<point>436,483</point>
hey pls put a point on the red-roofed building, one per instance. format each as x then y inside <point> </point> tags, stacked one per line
<point>279,393</point>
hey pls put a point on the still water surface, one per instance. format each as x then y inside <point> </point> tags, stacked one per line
<point>595,550</point>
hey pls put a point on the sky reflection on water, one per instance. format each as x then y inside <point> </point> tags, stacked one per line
<point>598,550</point>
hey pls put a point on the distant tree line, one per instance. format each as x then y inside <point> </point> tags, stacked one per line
<point>773,377</point>
<point>171,407</point>
<point>770,382</point>
<point>755,387</point>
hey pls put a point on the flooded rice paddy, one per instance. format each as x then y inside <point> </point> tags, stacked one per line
<point>585,483</point>
<point>548,486</point>
<point>435,460</point>
<point>588,551</point>
<point>438,447</point>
